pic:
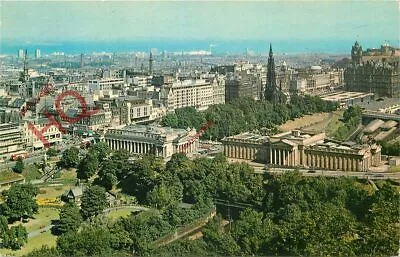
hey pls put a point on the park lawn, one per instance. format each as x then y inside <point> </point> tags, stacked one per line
<point>52,191</point>
<point>67,176</point>
<point>31,172</point>
<point>42,219</point>
<point>115,214</point>
<point>33,243</point>
<point>8,174</point>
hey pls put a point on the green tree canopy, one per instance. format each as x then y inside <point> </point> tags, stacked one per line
<point>19,165</point>
<point>88,166</point>
<point>70,218</point>
<point>20,201</point>
<point>101,150</point>
<point>94,201</point>
<point>70,158</point>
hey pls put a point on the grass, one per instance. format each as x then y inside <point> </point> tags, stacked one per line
<point>42,219</point>
<point>49,191</point>
<point>8,175</point>
<point>33,243</point>
<point>31,172</point>
<point>68,175</point>
<point>115,214</point>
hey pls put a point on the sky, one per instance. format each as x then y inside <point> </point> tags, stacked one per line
<point>59,21</point>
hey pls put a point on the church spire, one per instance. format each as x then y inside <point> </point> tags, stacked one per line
<point>271,54</point>
<point>151,64</point>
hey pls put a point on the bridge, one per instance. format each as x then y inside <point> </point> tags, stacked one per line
<point>380,115</point>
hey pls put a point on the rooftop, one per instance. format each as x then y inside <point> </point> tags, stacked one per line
<point>344,96</point>
<point>382,104</point>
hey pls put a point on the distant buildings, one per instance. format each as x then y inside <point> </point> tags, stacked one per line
<point>11,139</point>
<point>100,85</point>
<point>199,93</point>
<point>244,84</point>
<point>160,141</point>
<point>37,54</point>
<point>20,53</point>
<point>315,81</point>
<point>298,149</point>
<point>374,71</point>
<point>32,141</point>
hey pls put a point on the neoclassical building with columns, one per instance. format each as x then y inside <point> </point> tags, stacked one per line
<point>299,149</point>
<point>146,139</point>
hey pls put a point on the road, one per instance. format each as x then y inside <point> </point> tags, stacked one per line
<point>325,173</point>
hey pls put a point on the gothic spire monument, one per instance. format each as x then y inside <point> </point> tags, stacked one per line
<point>272,93</point>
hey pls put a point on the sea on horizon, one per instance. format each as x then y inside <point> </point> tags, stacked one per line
<point>215,46</point>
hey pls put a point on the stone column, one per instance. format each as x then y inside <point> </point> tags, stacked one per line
<point>349,164</point>
<point>270,155</point>
<point>341,163</point>
<point>284,157</point>
<point>322,161</point>
<point>275,162</point>
<point>279,157</point>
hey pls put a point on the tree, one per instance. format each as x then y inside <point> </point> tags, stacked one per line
<point>108,181</point>
<point>19,165</point>
<point>44,251</point>
<point>52,152</point>
<point>20,201</point>
<point>15,237</point>
<point>146,174</point>
<point>249,230</point>
<point>3,226</point>
<point>94,201</point>
<point>70,158</point>
<point>70,218</point>
<point>96,238</point>
<point>120,159</point>
<point>101,150</point>
<point>88,166</point>
<point>160,197</point>
<point>381,230</point>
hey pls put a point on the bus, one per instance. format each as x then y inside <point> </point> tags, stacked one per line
<point>23,155</point>
<point>87,142</point>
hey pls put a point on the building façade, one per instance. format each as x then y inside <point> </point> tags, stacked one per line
<point>374,71</point>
